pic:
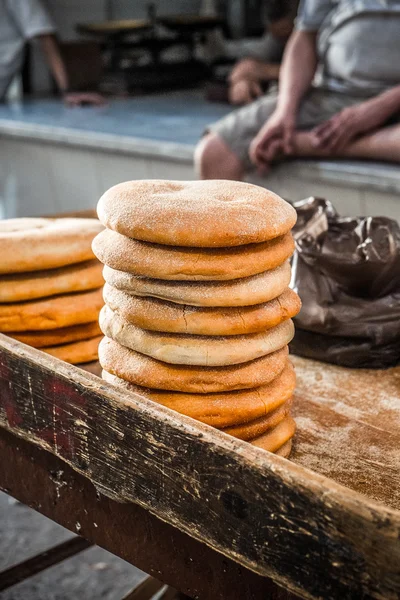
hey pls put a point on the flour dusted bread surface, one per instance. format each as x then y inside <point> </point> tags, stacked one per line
<point>77,352</point>
<point>55,337</point>
<point>159,315</point>
<point>41,284</point>
<point>51,313</point>
<point>223,409</point>
<point>238,292</point>
<point>275,439</point>
<point>285,450</point>
<point>193,264</point>
<point>39,244</point>
<point>198,312</point>
<point>195,350</point>
<point>211,214</point>
<point>164,316</point>
<point>145,371</point>
<point>256,428</point>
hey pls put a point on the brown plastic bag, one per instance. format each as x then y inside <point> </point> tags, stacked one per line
<point>347,274</point>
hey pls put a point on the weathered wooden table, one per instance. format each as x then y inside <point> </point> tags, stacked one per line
<point>207,514</point>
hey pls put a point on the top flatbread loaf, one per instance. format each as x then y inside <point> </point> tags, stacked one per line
<point>36,244</point>
<point>204,214</point>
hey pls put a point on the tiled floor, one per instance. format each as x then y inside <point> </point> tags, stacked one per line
<point>91,575</point>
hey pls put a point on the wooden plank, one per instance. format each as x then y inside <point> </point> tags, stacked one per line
<point>349,427</point>
<point>306,532</point>
<point>43,481</point>
<point>40,562</point>
<point>145,590</point>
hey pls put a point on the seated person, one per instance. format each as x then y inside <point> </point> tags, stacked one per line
<point>262,63</point>
<point>23,20</point>
<point>339,94</point>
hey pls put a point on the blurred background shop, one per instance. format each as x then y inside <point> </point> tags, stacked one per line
<point>159,73</point>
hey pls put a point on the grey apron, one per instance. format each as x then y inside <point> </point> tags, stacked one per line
<point>359,47</point>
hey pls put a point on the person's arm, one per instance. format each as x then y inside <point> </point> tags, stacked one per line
<point>56,64</point>
<point>51,50</point>
<point>336,133</point>
<point>246,78</point>
<point>255,70</point>
<point>297,70</point>
<point>296,75</point>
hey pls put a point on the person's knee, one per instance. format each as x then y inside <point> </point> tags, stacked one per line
<point>205,154</point>
<point>213,159</point>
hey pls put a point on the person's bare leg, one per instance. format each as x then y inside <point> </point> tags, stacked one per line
<point>383,144</point>
<point>215,160</point>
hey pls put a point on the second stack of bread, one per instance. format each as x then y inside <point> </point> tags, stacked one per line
<point>50,285</point>
<point>198,309</point>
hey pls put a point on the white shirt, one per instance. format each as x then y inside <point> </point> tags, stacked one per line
<point>358,43</point>
<point>20,20</point>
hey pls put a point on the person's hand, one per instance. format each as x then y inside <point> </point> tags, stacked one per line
<point>274,139</point>
<point>244,91</point>
<point>336,133</point>
<point>249,68</point>
<point>83,98</point>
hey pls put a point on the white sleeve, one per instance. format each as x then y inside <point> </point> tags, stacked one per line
<point>312,13</point>
<point>31,17</point>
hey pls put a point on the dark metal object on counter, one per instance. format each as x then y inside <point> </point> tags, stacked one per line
<point>124,41</point>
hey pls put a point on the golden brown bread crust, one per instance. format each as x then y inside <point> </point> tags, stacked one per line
<point>206,351</point>
<point>285,450</point>
<point>39,244</point>
<point>160,315</point>
<point>56,337</point>
<point>192,264</point>
<point>51,313</point>
<point>238,292</point>
<point>77,352</point>
<point>254,429</point>
<point>223,409</point>
<point>274,439</point>
<point>145,371</point>
<point>41,284</point>
<point>206,214</point>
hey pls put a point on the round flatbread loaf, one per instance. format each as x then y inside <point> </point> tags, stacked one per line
<point>145,371</point>
<point>224,409</point>
<point>238,292</point>
<point>254,429</point>
<point>77,352</point>
<point>51,313</point>
<point>207,214</point>
<point>284,450</point>
<point>192,264</point>
<point>169,317</point>
<point>56,337</point>
<point>39,244</point>
<point>274,439</point>
<point>182,349</point>
<point>41,284</point>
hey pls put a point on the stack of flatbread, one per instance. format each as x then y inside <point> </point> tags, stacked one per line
<point>198,309</point>
<point>50,286</point>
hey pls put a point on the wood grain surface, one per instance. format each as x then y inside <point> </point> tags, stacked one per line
<point>349,427</point>
<point>127,530</point>
<point>281,520</point>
